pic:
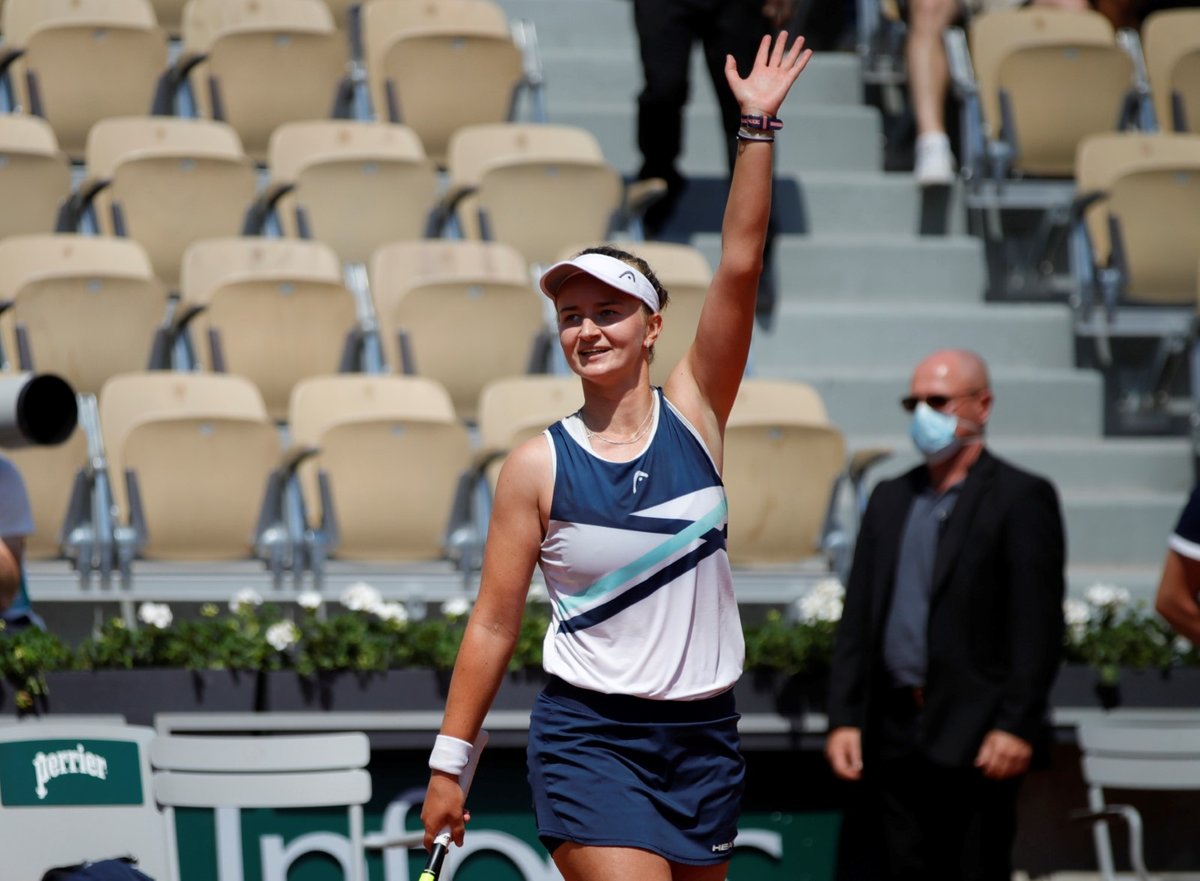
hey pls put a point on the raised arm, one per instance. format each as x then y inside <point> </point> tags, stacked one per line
<point>706,381</point>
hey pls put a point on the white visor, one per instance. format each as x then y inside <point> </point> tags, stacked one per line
<point>613,272</point>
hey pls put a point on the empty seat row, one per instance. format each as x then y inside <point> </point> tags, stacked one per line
<point>277,311</point>
<point>168,182</point>
<point>380,461</point>
<point>257,64</point>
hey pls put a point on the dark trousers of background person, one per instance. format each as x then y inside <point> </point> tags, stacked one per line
<point>935,823</point>
<point>667,30</point>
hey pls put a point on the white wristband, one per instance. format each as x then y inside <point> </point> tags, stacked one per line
<point>450,755</point>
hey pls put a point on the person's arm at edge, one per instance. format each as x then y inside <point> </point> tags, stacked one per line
<point>12,556</point>
<point>1175,599</point>
<point>514,537</point>
<point>707,379</point>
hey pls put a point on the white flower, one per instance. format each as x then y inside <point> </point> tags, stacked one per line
<point>1182,645</point>
<point>392,612</point>
<point>1077,614</point>
<point>537,593</point>
<point>282,635</point>
<point>309,599</point>
<point>456,607</point>
<point>361,597</point>
<point>155,615</point>
<point>247,596</point>
<point>1107,596</point>
<point>822,602</point>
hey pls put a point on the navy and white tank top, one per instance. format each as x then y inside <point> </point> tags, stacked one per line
<point>634,561</point>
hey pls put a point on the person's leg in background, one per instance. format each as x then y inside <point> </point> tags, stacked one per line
<point>664,29</point>
<point>928,82</point>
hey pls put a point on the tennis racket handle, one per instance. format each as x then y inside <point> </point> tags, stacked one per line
<point>433,866</point>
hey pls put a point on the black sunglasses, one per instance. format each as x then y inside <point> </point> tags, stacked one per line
<point>937,402</point>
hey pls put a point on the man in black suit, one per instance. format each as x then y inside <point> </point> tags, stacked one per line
<point>950,637</point>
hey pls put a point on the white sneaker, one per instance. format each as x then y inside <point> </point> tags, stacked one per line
<point>934,164</point>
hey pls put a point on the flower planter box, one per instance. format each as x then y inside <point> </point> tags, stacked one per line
<point>139,694</point>
<point>416,689</point>
<point>788,694</point>
<point>1080,686</point>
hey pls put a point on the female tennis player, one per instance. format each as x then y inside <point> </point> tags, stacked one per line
<point>634,760</point>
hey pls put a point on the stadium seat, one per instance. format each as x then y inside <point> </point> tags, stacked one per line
<point>513,409</point>
<point>439,66</point>
<point>257,64</point>
<point>391,455</point>
<point>540,188</point>
<point>34,175</point>
<point>780,429</point>
<point>1172,41</point>
<point>99,802</point>
<point>201,449</point>
<point>165,183</point>
<point>352,185</point>
<point>75,62</point>
<point>49,475</point>
<point>279,312</point>
<point>1047,79</point>
<point>1135,250</point>
<point>462,326</point>
<point>228,773</point>
<point>85,308</point>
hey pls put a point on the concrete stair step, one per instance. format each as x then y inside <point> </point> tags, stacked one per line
<point>1028,402</point>
<point>578,76</point>
<point>897,335</point>
<point>1120,527</point>
<point>897,269</point>
<point>593,25</point>
<point>853,204</point>
<point>818,138</point>
<point>1151,464</point>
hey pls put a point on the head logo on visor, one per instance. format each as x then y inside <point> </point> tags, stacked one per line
<point>613,272</point>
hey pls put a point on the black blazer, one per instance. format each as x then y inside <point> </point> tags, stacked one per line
<point>995,618</point>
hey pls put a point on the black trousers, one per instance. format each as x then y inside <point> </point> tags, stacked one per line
<point>937,823</point>
<point>667,30</point>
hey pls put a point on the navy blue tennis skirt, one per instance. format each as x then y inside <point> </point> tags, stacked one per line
<point>621,771</point>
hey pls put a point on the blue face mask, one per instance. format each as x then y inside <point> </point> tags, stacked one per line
<point>933,433</point>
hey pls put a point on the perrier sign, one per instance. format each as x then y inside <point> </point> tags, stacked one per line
<point>69,772</point>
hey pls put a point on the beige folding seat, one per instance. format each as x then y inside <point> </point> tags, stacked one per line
<point>1150,193</point>
<point>462,327</point>
<point>1172,44</point>
<point>49,475</point>
<point>24,258</point>
<point>201,448</point>
<point>392,453</point>
<point>84,321</point>
<point>437,66</point>
<point>537,187</point>
<point>287,319</point>
<point>354,185</point>
<point>34,174</point>
<point>781,465</point>
<point>83,61</point>
<point>515,408</point>
<point>1061,76</point>
<point>257,64</point>
<point>166,183</point>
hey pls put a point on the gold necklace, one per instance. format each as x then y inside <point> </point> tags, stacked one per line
<point>617,443</point>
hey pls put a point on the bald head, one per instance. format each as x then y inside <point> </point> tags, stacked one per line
<point>958,370</point>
